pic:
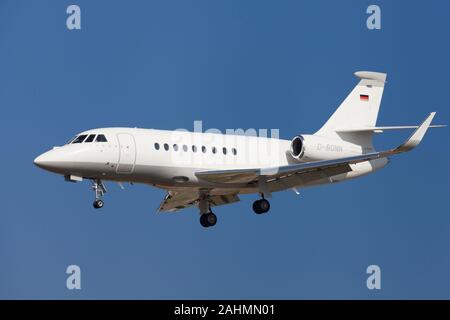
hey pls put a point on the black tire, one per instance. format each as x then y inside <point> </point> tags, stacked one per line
<point>256,208</point>
<point>261,206</point>
<point>204,220</point>
<point>208,220</point>
<point>98,204</point>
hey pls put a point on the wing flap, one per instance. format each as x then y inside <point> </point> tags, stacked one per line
<point>176,200</point>
<point>219,200</point>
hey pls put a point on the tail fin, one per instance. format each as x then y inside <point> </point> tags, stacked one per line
<point>359,109</point>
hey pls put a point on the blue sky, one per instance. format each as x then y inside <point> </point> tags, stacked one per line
<point>231,64</point>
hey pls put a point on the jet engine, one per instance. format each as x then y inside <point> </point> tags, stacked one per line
<point>305,148</point>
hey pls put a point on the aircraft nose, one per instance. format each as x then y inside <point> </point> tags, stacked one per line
<point>40,160</point>
<point>45,160</point>
<point>53,160</point>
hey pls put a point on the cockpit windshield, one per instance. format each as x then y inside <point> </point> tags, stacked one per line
<point>72,140</point>
<point>101,138</point>
<point>80,139</point>
<point>88,138</point>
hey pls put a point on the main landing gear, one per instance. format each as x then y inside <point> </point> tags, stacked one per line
<point>208,219</point>
<point>99,189</point>
<point>261,206</point>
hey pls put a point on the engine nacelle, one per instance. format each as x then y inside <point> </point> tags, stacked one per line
<point>305,148</point>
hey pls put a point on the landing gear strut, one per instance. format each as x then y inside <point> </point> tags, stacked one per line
<point>261,206</point>
<point>99,189</point>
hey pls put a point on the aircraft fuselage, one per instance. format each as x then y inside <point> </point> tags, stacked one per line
<point>170,159</point>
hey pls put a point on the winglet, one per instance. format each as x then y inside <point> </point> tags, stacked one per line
<point>417,135</point>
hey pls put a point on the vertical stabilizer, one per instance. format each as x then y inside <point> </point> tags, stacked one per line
<point>358,110</point>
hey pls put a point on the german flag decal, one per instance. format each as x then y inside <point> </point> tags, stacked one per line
<point>364,97</point>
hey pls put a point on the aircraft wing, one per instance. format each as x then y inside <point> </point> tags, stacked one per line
<point>179,199</point>
<point>326,167</point>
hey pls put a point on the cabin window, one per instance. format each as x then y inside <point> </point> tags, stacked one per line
<point>80,139</point>
<point>101,138</point>
<point>194,148</point>
<point>234,151</point>
<point>166,146</point>
<point>224,150</point>
<point>214,150</point>
<point>175,147</point>
<point>90,138</point>
<point>185,148</point>
<point>156,145</point>
<point>203,149</point>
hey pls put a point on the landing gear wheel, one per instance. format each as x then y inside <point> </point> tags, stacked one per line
<point>99,190</point>
<point>98,204</point>
<point>204,221</point>
<point>261,206</point>
<point>208,219</point>
<point>212,219</point>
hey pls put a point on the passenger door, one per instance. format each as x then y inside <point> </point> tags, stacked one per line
<point>127,153</point>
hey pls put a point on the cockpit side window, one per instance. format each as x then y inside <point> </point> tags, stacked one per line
<point>80,139</point>
<point>90,138</point>
<point>101,138</point>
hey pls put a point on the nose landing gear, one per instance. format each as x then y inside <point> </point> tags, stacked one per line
<point>99,189</point>
<point>98,204</point>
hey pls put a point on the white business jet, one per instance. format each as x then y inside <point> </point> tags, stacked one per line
<point>211,169</point>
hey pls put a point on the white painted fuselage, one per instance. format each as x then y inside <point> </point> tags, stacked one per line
<point>170,159</point>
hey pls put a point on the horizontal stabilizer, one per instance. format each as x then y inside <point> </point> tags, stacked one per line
<point>379,129</point>
<point>370,75</point>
